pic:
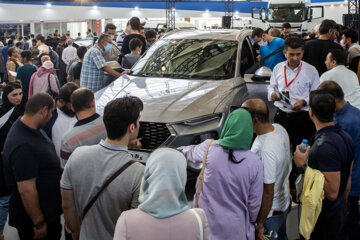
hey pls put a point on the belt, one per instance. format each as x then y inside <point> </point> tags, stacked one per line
<point>277,213</point>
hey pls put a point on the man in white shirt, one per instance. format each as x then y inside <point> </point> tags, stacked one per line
<point>42,47</point>
<point>273,146</point>
<point>63,118</point>
<point>295,79</point>
<point>346,78</point>
<point>69,52</point>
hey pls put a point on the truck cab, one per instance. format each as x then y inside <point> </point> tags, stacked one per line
<point>299,13</point>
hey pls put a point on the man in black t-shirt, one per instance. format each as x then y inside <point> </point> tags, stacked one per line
<point>32,170</point>
<point>332,153</point>
<point>76,72</point>
<point>316,50</point>
<point>134,33</point>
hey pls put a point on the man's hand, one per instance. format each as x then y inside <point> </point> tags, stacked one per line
<point>301,158</point>
<point>259,234</point>
<point>74,236</point>
<point>135,143</point>
<point>125,72</point>
<point>274,97</point>
<point>298,105</point>
<point>258,58</point>
<point>40,233</point>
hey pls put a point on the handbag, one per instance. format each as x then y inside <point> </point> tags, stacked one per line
<point>50,91</point>
<point>112,178</point>
<point>201,176</point>
<point>198,218</point>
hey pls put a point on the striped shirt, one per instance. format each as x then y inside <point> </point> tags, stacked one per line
<point>86,132</point>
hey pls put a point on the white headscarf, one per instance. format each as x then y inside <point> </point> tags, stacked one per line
<point>162,192</point>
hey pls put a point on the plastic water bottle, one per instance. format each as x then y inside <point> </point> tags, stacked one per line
<point>303,146</point>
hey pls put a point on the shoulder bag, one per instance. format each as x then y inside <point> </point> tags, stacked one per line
<point>50,91</point>
<point>112,178</point>
<point>201,176</point>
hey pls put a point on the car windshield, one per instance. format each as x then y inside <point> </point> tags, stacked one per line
<point>286,14</point>
<point>189,59</point>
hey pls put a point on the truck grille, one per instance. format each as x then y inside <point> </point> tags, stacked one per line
<point>153,134</point>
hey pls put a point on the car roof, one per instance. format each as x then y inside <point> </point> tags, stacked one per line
<point>216,34</point>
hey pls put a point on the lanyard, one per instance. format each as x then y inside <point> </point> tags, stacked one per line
<point>286,83</point>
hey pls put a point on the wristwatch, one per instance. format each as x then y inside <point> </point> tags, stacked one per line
<point>258,227</point>
<point>39,225</point>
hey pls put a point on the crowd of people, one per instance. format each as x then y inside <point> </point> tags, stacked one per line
<point>58,156</point>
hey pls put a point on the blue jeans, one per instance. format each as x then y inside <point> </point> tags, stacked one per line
<point>4,209</point>
<point>278,224</point>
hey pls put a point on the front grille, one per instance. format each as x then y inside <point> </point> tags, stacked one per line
<point>153,134</point>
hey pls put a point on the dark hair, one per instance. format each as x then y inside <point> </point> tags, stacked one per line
<point>32,35</point>
<point>79,34</point>
<point>62,39</point>
<point>81,99</point>
<point>294,43</point>
<point>134,43</point>
<point>40,38</point>
<point>258,111</point>
<point>135,23</point>
<point>119,114</point>
<point>10,42</point>
<point>10,86</point>
<point>11,51</point>
<point>304,34</point>
<point>26,55</point>
<point>66,90</point>
<point>150,34</point>
<point>110,26</point>
<point>33,40</point>
<point>81,51</point>
<point>18,44</point>
<point>89,30</point>
<point>332,88</point>
<point>326,26</point>
<point>285,25</point>
<point>258,32</point>
<point>352,34</point>
<point>103,37</point>
<point>338,55</point>
<point>37,102</point>
<point>322,105</point>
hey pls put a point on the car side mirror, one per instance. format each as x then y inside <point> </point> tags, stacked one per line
<point>262,74</point>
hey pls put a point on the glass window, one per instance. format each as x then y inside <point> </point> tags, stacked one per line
<point>26,29</point>
<point>50,28</point>
<point>290,14</point>
<point>189,59</point>
<point>65,28</point>
<point>37,28</point>
<point>10,29</point>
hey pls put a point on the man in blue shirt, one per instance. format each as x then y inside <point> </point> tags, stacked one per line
<point>4,50</point>
<point>348,117</point>
<point>25,72</point>
<point>269,44</point>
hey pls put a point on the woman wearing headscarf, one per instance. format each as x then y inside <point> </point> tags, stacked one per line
<point>44,80</point>
<point>163,212</point>
<point>12,101</point>
<point>233,179</point>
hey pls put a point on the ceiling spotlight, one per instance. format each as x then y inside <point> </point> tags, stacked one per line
<point>237,12</point>
<point>173,9</point>
<point>95,7</point>
<point>136,8</point>
<point>207,10</point>
<point>48,4</point>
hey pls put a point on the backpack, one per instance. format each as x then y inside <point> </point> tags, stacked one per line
<point>54,56</point>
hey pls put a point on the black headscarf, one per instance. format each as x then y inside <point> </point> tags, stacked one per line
<point>6,106</point>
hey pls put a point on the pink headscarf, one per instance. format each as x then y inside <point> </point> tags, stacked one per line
<point>46,68</point>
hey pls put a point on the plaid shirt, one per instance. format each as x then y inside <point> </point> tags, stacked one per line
<point>92,74</point>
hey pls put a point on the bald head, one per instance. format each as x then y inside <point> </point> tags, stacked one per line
<point>258,109</point>
<point>333,88</point>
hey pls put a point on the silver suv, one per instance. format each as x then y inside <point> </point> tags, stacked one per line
<point>189,81</point>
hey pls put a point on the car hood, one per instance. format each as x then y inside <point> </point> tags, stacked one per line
<point>167,100</point>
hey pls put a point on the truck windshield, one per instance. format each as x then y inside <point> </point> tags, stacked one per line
<point>189,59</point>
<point>286,14</point>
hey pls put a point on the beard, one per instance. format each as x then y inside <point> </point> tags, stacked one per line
<point>67,111</point>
